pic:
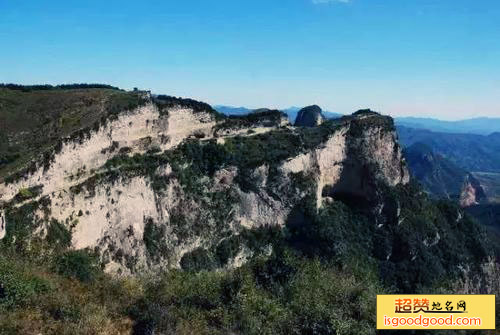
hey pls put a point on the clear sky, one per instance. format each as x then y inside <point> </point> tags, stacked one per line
<point>436,58</point>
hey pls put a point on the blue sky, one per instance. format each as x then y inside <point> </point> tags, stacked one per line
<point>436,58</point>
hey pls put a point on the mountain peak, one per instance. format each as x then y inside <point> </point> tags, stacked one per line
<point>309,116</point>
<point>366,111</point>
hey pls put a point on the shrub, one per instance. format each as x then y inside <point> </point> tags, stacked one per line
<point>17,286</point>
<point>28,193</point>
<point>165,101</point>
<point>197,260</point>
<point>79,264</point>
<point>227,249</point>
<point>58,235</point>
<point>324,300</point>
<point>154,240</point>
<point>25,193</point>
<point>274,273</point>
<point>20,225</point>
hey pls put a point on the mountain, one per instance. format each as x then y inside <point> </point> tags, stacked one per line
<point>490,183</point>
<point>34,118</point>
<point>480,126</point>
<point>488,214</point>
<point>442,178</point>
<point>464,167</point>
<point>291,112</point>
<point>310,116</point>
<point>468,151</point>
<point>130,173</point>
<point>154,214</point>
<point>227,110</point>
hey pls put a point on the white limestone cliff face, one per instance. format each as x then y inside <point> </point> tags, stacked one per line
<point>111,219</point>
<point>380,147</point>
<point>111,216</point>
<point>325,163</point>
<point>332,161</point>
<point>260,209</point>
<point>137,131</point>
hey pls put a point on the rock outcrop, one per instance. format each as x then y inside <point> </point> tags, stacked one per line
<point>309,116</point>
<point>3,225</point>
<point>143,193</point>
<point>472,192</point>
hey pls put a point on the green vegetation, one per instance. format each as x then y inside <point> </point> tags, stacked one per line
<point>317,275</point>
<point>36,300</point>
<point>197,260</point>
<point>321,277</point>
<point>262,118</point>
<point>227,249</point>
<point>28,193</point>
<point>35,119</point>
<point>429,238</point>
<point>79,264</point>
<point>154,240</point>
<point>300,301</point>
<point>165,101</point>
<point>25,193</point>
<point>30,88</point>
<point>58,235</point>
<point>18,286</point>
<point>21,223</point>
<point>283,295</point>
<point>368,119</point>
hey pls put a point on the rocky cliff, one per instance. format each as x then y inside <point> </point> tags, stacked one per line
<point>272,226</point>
<point>309,116</point>
<point>160,184</point>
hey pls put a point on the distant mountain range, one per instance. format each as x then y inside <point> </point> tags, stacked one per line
<point>470,152</point>
<point>438,175</point>
<point>464,167</point>
<point>481,126</point>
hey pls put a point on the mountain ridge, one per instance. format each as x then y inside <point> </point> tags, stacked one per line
<point>164,215</point>
<point>479,125</point>
<point>70,180</point>
<point>291,112</point>
<point>442,178</point>
<point>471,152</point>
